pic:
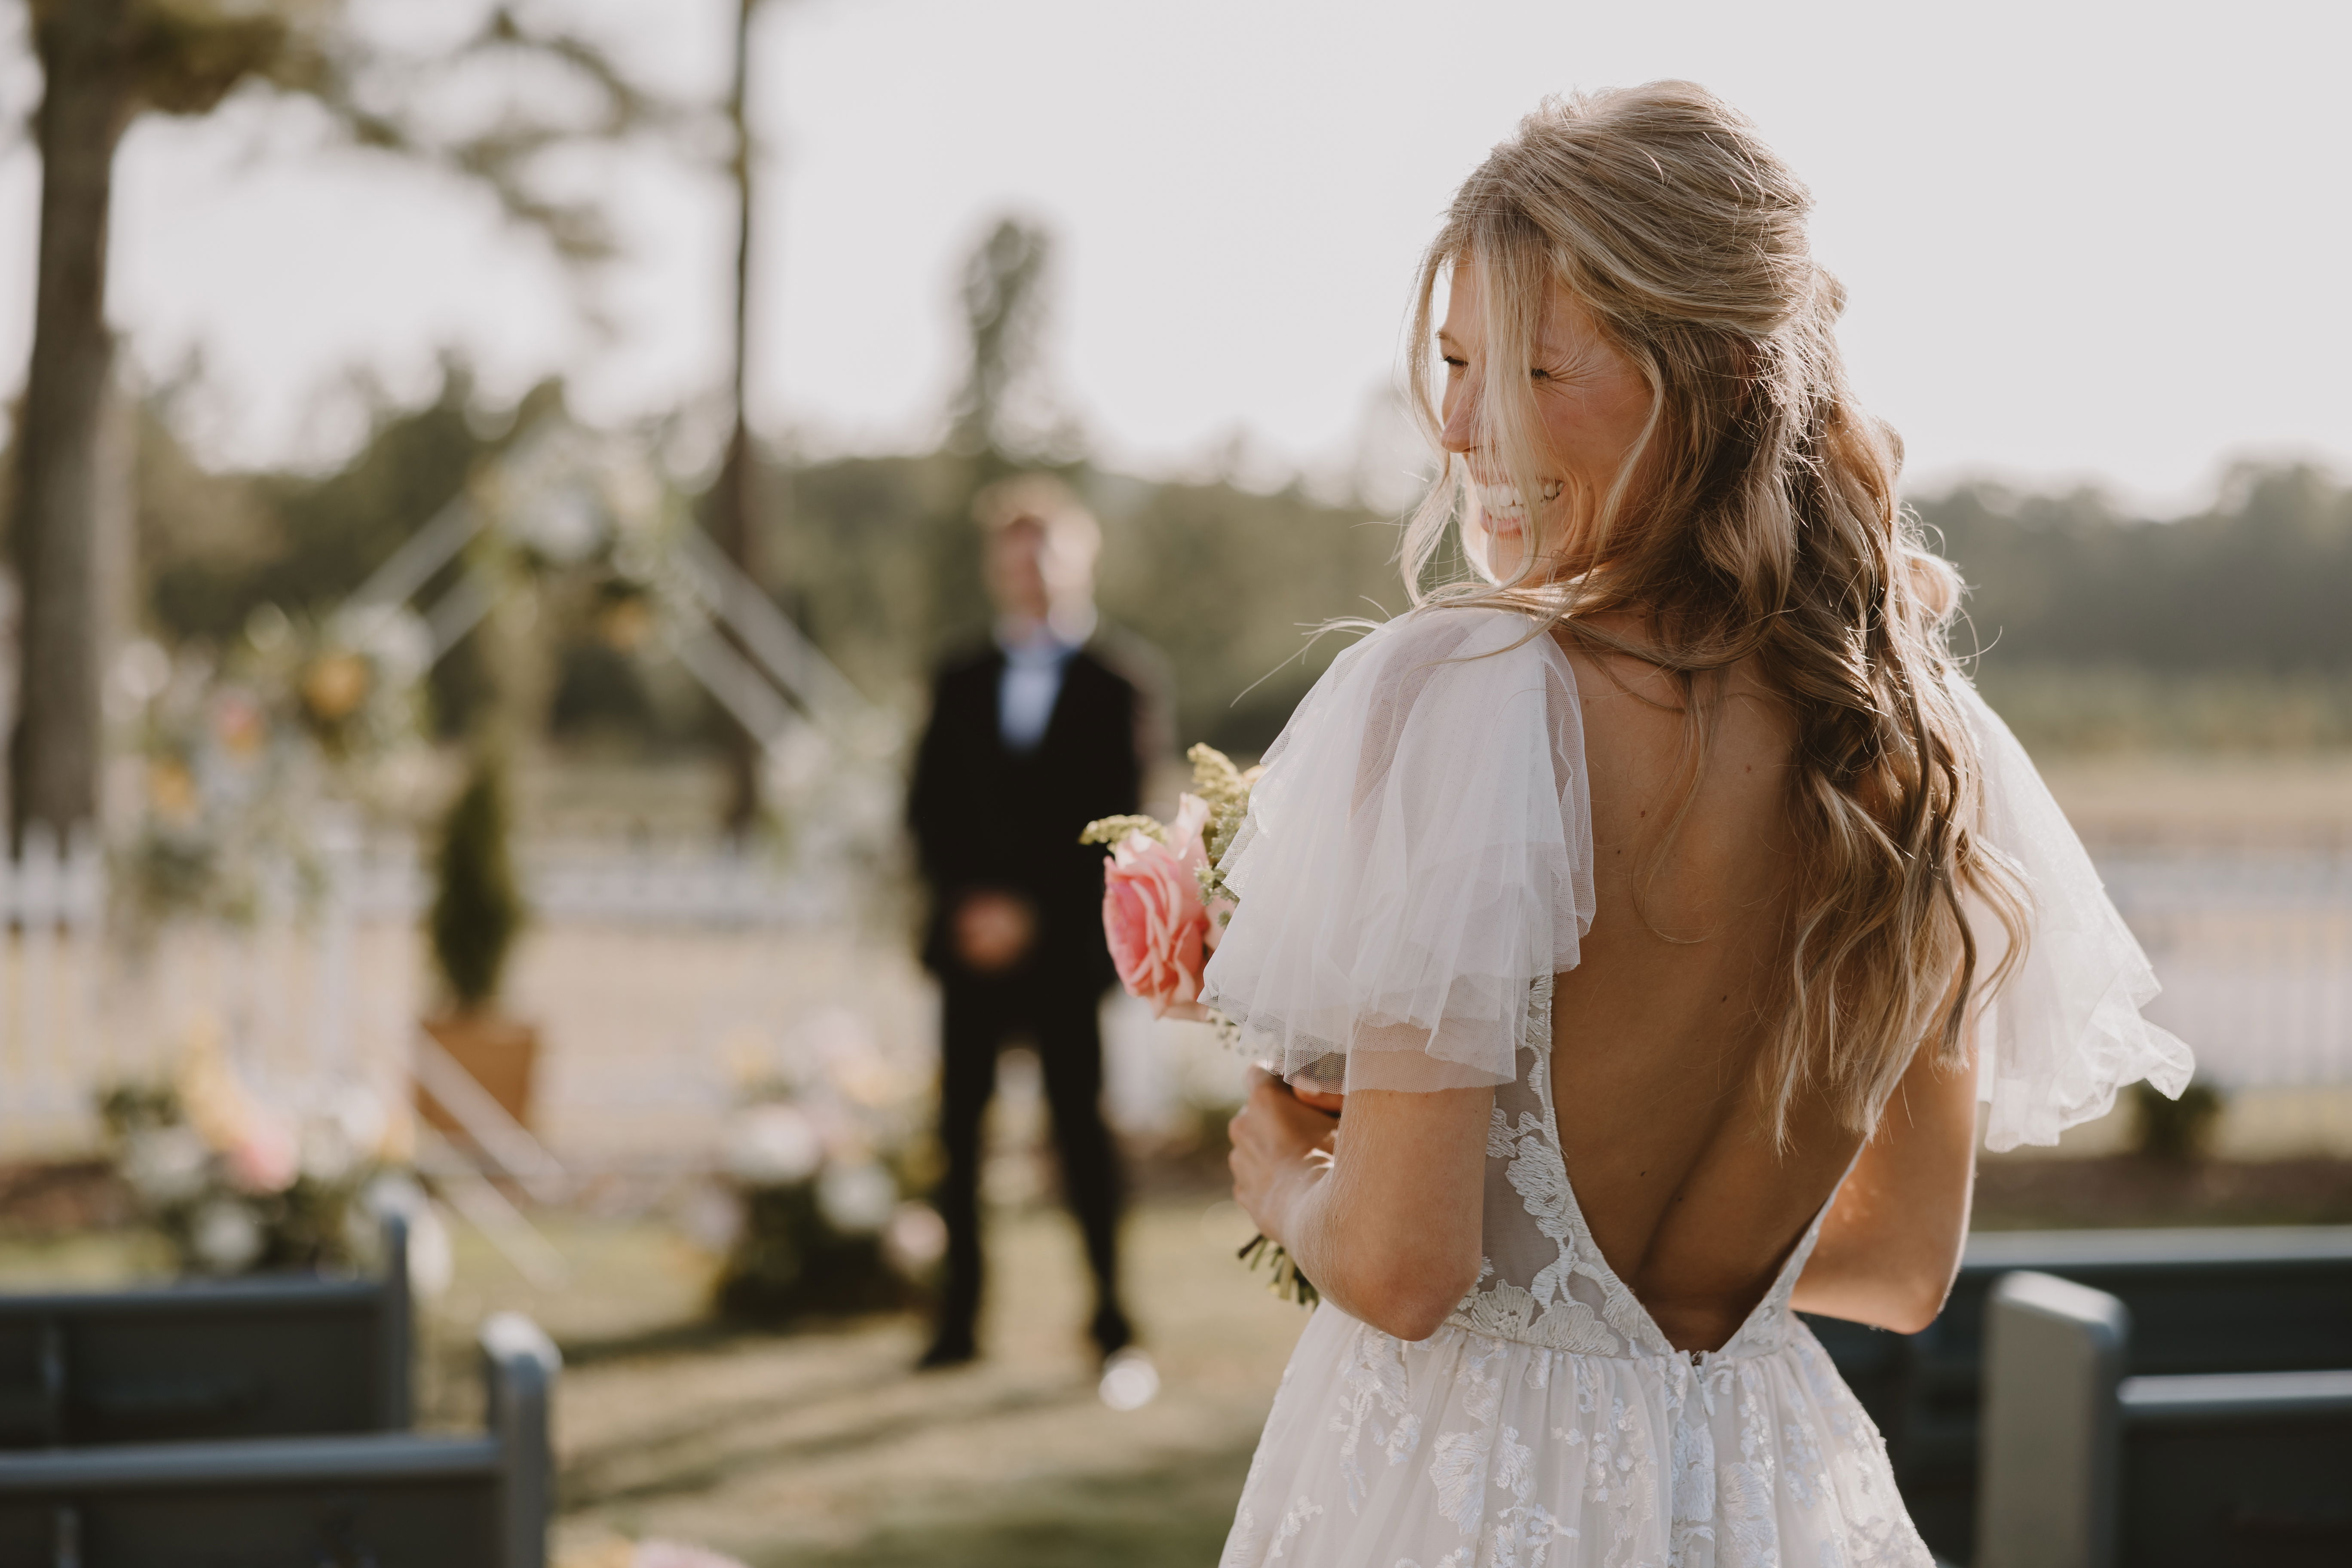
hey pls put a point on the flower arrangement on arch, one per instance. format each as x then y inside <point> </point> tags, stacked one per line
<point>241,750</point>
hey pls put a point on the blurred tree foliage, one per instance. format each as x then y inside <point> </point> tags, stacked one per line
<point>213,547</point>
<point>1004,412</point>
<point>2226,629</point>
<point>2260,581</point>
<point>2230,628</point>
<point>104,63</point>
<point>1230,585</point>
<point>879,559</point>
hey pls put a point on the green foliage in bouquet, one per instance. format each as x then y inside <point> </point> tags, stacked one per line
<point>1223,788</point>
<point>477,912</point>
<point>1226,788</point>
<point>1111,829</point>
<point>1287,1281</point>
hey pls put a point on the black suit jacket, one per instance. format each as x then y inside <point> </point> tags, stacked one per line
<point>984,817</point>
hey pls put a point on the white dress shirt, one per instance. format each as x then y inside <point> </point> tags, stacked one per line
<point>1034,658</point>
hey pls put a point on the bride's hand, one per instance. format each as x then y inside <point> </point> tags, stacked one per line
<point>1322,1099</point>
<point>1277,1137</point>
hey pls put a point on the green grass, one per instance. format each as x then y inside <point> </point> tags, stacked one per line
<point>2067,708</point>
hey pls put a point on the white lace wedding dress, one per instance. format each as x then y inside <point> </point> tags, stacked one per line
<point>1415,869</point>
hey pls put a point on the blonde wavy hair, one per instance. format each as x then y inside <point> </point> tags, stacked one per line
<point>1756,517</point>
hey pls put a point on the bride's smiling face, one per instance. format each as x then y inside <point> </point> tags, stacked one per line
<point>1591,402</point>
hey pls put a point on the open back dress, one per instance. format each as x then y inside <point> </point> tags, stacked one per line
<point>1415,869</point>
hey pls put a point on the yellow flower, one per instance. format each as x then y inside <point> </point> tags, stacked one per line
<point>172,790</point>
<point>335,685</point>
<point>626,622</point>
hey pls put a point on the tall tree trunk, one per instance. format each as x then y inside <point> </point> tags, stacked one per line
<point>86,100</point>
<point>734,513</point>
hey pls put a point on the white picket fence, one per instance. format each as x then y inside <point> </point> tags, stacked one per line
<point>2254,951</point>
<point>673,885</point>
<point>53,1047</point>
<point>657,972</point>
<point>331,989</point>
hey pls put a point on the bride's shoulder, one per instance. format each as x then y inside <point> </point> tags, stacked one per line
<point>1497,637</point>
<point>1439,617</point>
<point>1443,678</point>
<point>1438,686</point>
<point>1444,674</point>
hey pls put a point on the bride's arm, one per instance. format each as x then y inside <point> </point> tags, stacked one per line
<point>1891,1245</point>
<point>1388,1229</point>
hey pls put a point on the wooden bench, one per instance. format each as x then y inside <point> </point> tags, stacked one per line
<point>2086,1466</point>
<point>373,1500</point>
<point>264,1357</point>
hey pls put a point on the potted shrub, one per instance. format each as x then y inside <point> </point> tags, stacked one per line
<point>475,917</point>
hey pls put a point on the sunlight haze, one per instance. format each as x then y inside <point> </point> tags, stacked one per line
<point>2081,241</point>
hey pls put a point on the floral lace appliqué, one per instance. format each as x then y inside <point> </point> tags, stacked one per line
<point>1378,1407</point>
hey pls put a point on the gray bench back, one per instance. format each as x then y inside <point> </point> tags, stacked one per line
<point>268,1357</point>
<point>2085,1466</point>
<point>375,1501</point>
<point>2255,1468</point>
<point>2054,1356</point>
<point>2211,1300</point>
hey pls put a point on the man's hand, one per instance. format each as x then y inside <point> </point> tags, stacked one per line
<point>991,932</point>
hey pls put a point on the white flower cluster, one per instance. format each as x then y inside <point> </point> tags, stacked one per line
<point>832,1109</point>
<point>224,1171</point>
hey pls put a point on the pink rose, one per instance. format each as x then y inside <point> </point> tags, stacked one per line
<point>1160,931</point>
<point>265,1158</point>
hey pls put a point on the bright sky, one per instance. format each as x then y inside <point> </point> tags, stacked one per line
<point>2083,240</point>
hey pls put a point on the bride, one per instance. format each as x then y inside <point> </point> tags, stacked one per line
<point>1662,901</point>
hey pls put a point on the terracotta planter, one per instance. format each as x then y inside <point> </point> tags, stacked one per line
<point>501,1054</point>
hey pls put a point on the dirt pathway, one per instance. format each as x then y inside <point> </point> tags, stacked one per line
<point>825,1448</point>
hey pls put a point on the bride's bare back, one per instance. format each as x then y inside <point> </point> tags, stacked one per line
<point>1655,1034</point>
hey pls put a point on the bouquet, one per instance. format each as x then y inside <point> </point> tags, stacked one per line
<point>1166,905</point>
<point>238,1184</point>
<point>813,1161</point>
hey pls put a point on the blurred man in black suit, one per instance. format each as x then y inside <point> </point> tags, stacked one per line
<point>1049,726</point>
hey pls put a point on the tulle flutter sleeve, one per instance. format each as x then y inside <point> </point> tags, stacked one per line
<point>1418,852</point>
<point>2063,1033</point>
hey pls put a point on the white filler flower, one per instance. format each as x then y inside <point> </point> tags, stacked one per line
<point>771,1145</point>
<point>224,1236</point>
<point>165,1166</point>
<point>856,1200</point>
